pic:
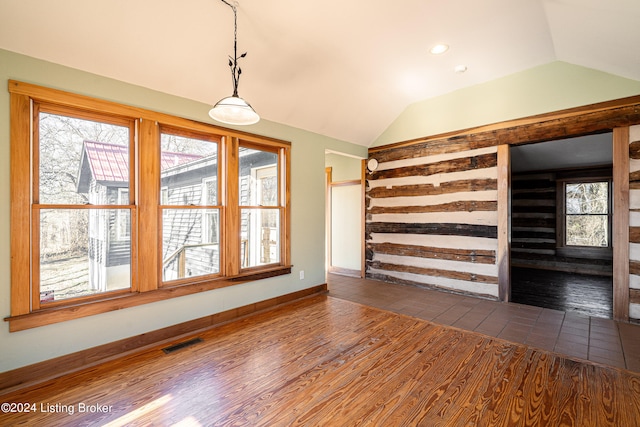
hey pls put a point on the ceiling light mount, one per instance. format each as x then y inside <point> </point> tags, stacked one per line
<point>439,49</point>
<point>234,110</point>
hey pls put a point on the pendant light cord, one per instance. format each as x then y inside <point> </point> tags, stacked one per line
<point>233,62</point>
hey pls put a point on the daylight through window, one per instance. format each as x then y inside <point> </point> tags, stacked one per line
<point>114,206</point>
<point>82,207</point>
<point>587,214</point>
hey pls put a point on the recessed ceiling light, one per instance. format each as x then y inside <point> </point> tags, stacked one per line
<point>439,49</point>
<point>460,68</point>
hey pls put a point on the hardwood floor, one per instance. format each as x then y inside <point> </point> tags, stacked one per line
<point>328,361</point>
<point>583,294</point>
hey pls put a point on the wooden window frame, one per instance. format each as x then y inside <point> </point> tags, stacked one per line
<point>280,204</point>
<point>214,138</point>
<point>145,201</point>
<point>562,249</point>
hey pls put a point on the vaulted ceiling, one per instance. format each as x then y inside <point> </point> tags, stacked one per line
<point>345,69</point>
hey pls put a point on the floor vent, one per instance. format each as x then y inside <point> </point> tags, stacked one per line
<point>181,345</point>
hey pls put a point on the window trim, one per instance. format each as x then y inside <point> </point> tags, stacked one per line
<point>218,139</point>
<point>562,249</point>
<point>147,289</point>
<point>119,219</point>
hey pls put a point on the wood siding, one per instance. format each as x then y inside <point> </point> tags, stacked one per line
<point>411,198</point>
<point>634,222</point>
<point>533,231</point>
<point>431,217</point>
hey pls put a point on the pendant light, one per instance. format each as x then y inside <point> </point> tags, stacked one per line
<point>234,110</point>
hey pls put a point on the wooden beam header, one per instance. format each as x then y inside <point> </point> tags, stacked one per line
<point>588,119</point>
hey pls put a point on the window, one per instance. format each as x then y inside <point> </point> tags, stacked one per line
<point>260,211</point>
<point>129,206</point>
<point>585,217</point>
<point>190,247</point>
<point>587,214</point>
<point>82,237</point>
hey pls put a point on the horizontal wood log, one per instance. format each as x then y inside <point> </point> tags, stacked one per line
<point>584,124</point>
<point>534,222</point>
<point>542,194</point>
<point>634,234</point>
<point>467,255</point>
<point>533,245</point>
<point>595,172</point>
<point>446,166</point>
<point>434,272</point>
<point>634,185</point>
<point>462,206</point>
<point>634,176</point>
<point>532,208</point>
<point>634,296</point>
<point>634,267</point>
<point>601,117</point>
<point>432,148</point>
<point>634,150</point>
<point>392,279</point>
<point>432,190</point>
<point>436,229</point>
<point>529,234</point>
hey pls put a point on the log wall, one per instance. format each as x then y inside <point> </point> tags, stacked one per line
<point>534,227</point>
<point>432,217</point>
<point>432,205</point>
<point>634,223</point>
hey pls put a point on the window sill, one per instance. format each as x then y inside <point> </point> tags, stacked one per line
<point>58,314</point>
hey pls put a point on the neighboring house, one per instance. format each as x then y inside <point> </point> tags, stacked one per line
<point>189,236</point>
<point>104,177</point>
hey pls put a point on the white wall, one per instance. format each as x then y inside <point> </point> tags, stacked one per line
<point>346,212</point>
<point>346,227</point>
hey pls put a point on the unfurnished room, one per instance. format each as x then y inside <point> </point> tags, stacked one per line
<point>276,213</point>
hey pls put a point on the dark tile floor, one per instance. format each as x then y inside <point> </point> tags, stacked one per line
<point>577,336</point>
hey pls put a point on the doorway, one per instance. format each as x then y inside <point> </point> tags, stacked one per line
<point>344,214</point>
<point>561,225</point>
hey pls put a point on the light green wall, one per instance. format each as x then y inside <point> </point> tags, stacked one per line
<point>546,88</point>
<point>343,168</point>
<point>307,221</point>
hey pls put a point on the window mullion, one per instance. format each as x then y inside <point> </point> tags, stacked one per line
<point>232,212</point>
<point>148,194</point>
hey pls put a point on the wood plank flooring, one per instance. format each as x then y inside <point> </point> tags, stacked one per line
<point>582,294</point>
<point>324,361</point>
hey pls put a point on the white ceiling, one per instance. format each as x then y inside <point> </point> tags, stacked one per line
<point>579,152</point>
<point>345,69</point>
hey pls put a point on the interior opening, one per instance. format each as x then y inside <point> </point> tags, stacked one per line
<point>561,225</point>
<point>344,214</point>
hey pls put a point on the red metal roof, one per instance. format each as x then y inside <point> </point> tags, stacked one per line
<point>169,159</point>
<point>110,162</point>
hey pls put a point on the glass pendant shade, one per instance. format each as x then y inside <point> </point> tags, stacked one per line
<point>233,110</point>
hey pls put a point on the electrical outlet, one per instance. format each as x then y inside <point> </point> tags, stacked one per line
<point>301,274</point>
